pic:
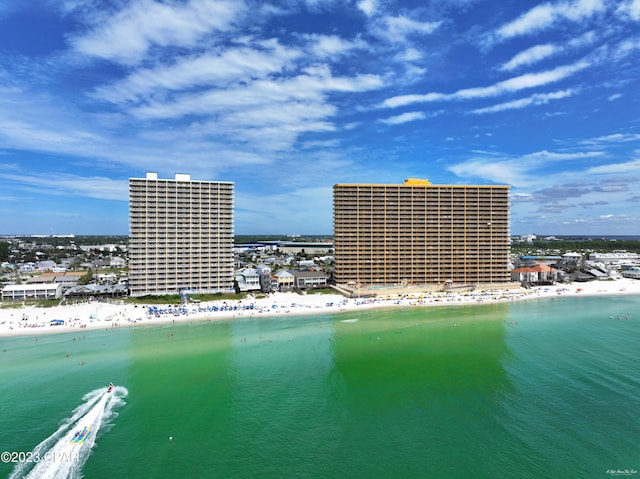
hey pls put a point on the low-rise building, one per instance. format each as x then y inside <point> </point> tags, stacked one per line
<point>632,273</point>
<point>264,272</point>
<point>537,274</point>
<point>31,291</point>
<point>117,262</point>
<point>248,279</point>
<point>306,279</point>
<point>286,280</point>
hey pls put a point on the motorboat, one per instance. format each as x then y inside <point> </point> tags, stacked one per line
<point>110,388</point>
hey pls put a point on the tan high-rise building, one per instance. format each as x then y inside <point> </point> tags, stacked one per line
<point>181,236</point>
<point>419,233</point>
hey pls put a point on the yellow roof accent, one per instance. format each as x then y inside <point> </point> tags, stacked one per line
<point>417,181</point>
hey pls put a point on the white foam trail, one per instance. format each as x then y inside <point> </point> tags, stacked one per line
<point>57,457</point>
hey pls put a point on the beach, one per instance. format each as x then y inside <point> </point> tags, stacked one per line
<point>31,320</point>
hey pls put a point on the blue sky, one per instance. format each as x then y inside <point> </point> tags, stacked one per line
<point>286,98</point>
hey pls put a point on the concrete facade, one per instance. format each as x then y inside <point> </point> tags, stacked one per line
<point>181,235</point>
<point>419,233</point>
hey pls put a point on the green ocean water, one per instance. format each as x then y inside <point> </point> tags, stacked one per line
<point>536,389</point>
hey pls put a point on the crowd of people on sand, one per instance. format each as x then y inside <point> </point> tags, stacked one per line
<point>95,314</point>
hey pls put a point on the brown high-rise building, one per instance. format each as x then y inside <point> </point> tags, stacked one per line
<point>419,233</point>
<point>181,235</point>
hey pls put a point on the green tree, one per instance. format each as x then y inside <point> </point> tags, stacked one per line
<point>85,278</point>
<point>4,251</point>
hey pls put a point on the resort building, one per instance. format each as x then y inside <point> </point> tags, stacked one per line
<point>181,236</point>
<point>419,233</point>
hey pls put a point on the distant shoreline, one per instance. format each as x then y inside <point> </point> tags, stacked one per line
<point>97,315</point>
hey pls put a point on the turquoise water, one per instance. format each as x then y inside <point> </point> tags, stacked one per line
<point>535,389</point>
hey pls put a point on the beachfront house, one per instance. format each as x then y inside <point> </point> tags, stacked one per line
<point>535,275</point>
<point>306,279</point>
<point>264,272</point>
<point>248,279</point>
<point>286,280</point>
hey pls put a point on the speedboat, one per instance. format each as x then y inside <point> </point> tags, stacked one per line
<point>110,388</point>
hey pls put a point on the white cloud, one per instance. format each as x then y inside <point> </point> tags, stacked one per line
<point>522,82</point>
<point>617,168</point>
<point>126,36</point>
<point>519,171</point>
<point>537,99</point>
<point>626,47</point>
<point>329,46</point>
<point>546,15</point>
<point>630,8</point>
<point>530,56</point>
<point>583,40</point>
<point>308,87</point>
<point>67,184</point>
<point>264,114</point>
<point>544,156</point>
<point>397,29</point>
<point>221,69</point>
<point>530,80</point>
<point>505,172</point>
<point>409,55</point>
<point>613,138</point>
<point>368,7</point>
<point>402,100</point>
<point>404,118</point>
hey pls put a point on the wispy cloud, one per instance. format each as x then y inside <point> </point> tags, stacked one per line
<point>404,118</point>
<point>612,139</point>
<point>529,80</point>
<point>537,99</point>
<point>530,56</point>
<point>330,46</point>
<point>629,167</point>
<point>71,185</point>
<point>546,15</point>
<point>630,8</point>
<point>230,66</point>
<point>127,35</point>
<point>368,7</point>
<point>399,29</point>
<point>519,171</point>
<point>307,87</point>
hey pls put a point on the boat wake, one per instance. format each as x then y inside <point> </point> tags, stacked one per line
<point>63,454</point>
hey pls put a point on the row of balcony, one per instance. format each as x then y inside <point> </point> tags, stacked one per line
<point>420,201</point>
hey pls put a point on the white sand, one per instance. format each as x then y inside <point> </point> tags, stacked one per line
<point>99,315</point>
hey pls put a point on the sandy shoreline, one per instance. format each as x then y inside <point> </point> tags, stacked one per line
<point>100,315</point>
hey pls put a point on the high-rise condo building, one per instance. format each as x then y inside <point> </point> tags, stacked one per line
<point>420,233</point>
<point>181,236</point>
